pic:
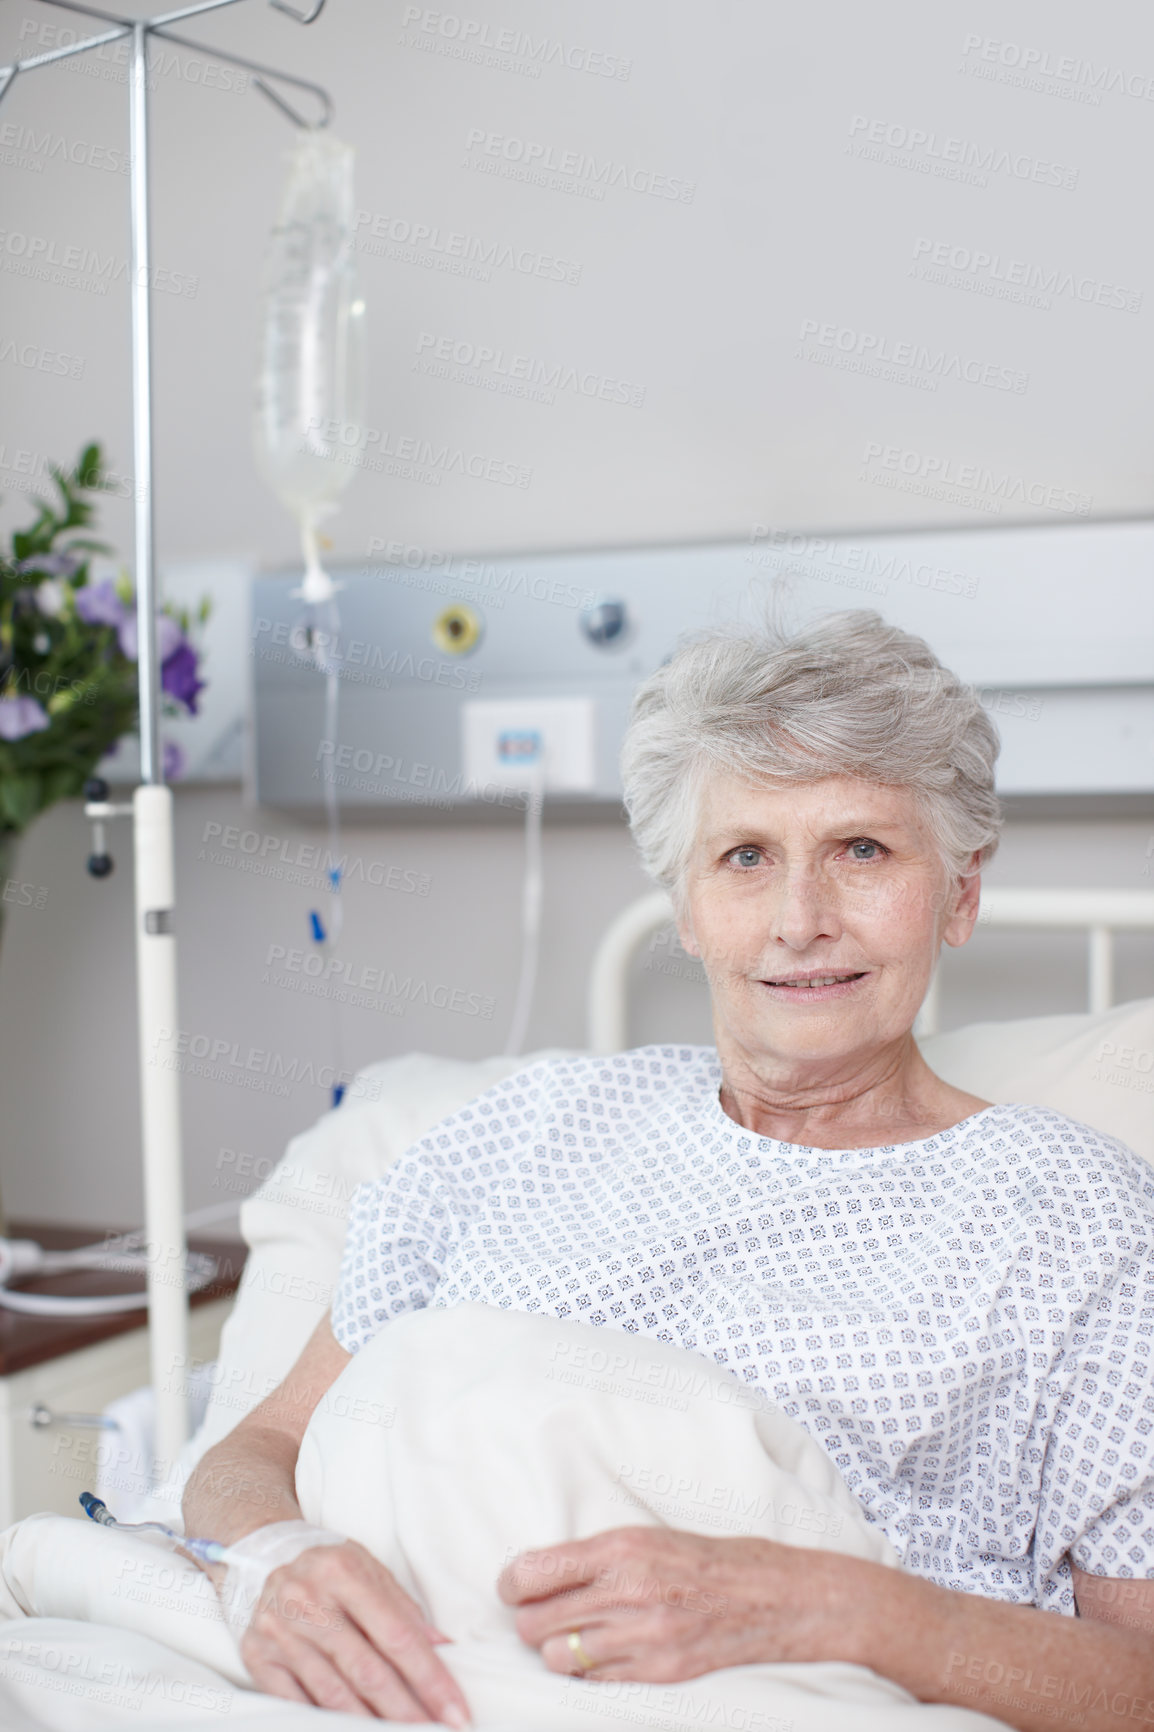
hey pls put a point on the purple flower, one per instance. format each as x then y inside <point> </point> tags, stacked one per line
<point>99,604</point>
<point>178,675</point>
<point>52,564</point>
<point>168,636</point>
<point>21,716</point>
<point>173,761</point>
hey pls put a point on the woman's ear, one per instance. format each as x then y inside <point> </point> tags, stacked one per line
<point>685,933</point>
<point>964,903</point>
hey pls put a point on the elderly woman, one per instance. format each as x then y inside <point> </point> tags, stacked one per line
<point>952,1297</point>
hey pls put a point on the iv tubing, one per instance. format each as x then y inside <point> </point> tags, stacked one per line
<point>207,1551</point>
<point>318,592</point>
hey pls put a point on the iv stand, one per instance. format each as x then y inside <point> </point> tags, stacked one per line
<point>152,801</point>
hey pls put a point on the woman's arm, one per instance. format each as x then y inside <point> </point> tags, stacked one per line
<point>335,1627</point>
<point>659,1605</point>
<point>248,1479</point>
<point>1030,1668</point>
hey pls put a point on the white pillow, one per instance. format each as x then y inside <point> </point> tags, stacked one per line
<point>1096,1068</point>
<point>295,1223</point>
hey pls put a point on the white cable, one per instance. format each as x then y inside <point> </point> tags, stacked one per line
<point>58,1305</point>
<point>124,1253</point>
<point>531,899</point>
<point>200,1270</point>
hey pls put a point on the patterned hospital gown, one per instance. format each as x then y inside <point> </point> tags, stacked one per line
<point>965,1322</point>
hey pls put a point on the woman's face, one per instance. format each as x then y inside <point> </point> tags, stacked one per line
<point>835,877</point>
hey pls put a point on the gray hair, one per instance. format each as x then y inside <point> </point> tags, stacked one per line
<point>847,695</point>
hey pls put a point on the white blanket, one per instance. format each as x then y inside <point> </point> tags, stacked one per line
<point>454,1440</point>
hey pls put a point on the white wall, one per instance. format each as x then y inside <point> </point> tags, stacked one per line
<point>715,305</point>
<point>702,303</point>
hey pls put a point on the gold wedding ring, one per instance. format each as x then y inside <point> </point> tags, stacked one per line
<point>578,1652</point>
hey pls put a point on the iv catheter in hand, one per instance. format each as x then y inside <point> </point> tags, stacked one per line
<point>248,1562</point>
<point>204,1551</point>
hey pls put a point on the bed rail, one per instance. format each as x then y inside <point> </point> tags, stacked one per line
<point>1099,913</point>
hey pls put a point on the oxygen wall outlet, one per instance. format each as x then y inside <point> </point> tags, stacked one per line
<point>505,741</point>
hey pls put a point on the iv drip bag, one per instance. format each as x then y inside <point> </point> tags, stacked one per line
<point>311,386</point>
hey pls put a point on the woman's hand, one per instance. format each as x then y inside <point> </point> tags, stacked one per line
<point>336,1629</point>
<point>659,1606</point>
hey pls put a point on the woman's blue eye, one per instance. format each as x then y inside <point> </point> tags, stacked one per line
<point>866,844</point>
<point>752,856</point>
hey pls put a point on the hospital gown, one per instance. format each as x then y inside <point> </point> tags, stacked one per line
<point>964,1322</point>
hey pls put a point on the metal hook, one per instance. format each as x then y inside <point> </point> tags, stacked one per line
<point>285,107</point>
<point>257,67</point>
<point>159,27</point>
<point>301,17</point>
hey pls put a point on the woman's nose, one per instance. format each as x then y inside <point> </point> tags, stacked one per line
<point>802,908</point>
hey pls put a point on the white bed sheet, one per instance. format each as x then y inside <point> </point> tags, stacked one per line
<point>453,1440</point>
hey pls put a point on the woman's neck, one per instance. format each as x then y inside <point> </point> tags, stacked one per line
<point>892,1098</point>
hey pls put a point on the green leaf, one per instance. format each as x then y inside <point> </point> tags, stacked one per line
<point>20,799</point>
<point>89,470</point>
<point>59,783</point>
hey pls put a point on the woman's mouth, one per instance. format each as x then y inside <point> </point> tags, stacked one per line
<point>813,986</point>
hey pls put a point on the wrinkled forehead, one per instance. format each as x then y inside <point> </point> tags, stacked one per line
<point>830,808</point>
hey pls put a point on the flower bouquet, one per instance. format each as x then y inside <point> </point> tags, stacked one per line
<point>68,674</point>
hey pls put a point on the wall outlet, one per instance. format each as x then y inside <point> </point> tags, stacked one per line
<point>504,742</point>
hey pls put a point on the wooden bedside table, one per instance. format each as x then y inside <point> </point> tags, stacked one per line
<point>57,1373</point>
